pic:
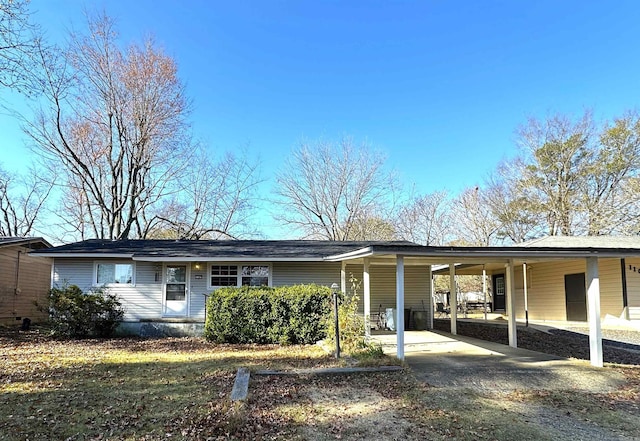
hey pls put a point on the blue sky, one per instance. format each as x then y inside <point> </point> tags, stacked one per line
<point>438,86</point>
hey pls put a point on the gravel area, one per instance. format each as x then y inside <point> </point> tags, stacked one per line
<point>619,346</point>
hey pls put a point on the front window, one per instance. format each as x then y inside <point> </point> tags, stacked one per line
<point>114,273</point>
<point>255,275</point>
<point>224,275</point>
<point>234,275</point>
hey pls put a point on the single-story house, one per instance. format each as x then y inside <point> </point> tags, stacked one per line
<point>163,284</point>
<point>24,279</point>
<point>163,281</point>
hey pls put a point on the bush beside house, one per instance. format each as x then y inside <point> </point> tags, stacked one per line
<point>286,315</point>
<point>75,314</point>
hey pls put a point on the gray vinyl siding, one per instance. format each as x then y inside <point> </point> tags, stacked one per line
<point>294,273</point>
<point>140,301</point>
<point>144,300</point>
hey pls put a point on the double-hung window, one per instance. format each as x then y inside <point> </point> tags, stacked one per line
<point>239,275</point>
<point>108,273</point>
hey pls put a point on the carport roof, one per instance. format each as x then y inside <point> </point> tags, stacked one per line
<point>535,250</point>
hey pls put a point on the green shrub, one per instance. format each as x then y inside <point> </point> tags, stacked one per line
<point>284,315</point>
<point>351,323</point>
<point>73,313</point>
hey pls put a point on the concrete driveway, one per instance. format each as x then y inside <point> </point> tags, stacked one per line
<point>445,360</point>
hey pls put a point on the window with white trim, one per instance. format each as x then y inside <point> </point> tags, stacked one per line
<point>224,275</point>
<point>239,275</point>
<point>108,273</point>
<point>255,275</point>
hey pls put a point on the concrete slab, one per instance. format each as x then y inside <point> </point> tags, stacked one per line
<point>241,385</point>
<point>445,360</point>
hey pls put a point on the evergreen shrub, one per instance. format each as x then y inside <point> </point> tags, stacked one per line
<point>75,314</point>
<point>285,315</point>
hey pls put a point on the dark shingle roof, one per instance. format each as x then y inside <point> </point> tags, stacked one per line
<point>33,242</point>
<point>202,249</point>
<point>584,242</point>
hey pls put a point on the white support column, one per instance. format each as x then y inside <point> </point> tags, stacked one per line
<point>484,292</point>
<point>367,299</point>
<point>593,312</point>
<point>343,277</point>
<point>453,298</point>
<point>430,323</point>
<point>400,306</point>
<point>511,313</point>
<point>526,294</point>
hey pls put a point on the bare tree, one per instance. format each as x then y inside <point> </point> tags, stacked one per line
<point>519,218</point>
<point>426,219</point>
<point>473,219</point>
<point>114,125</point>
<point>19,40</point>
<point>213,200</point>
<point>22,201</point>
<point>327,189</point>
<point>372,227</point>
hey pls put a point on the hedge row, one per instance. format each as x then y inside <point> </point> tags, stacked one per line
<point>285,315</point>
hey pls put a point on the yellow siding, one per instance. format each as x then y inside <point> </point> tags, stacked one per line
<point>417,293</point>
<point>633,281</point>
<point>546,294</point>
<point>18,298</point>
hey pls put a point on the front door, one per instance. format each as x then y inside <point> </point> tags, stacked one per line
<point>576,294</point>
<point>499,303</point>
<point>176,290</point>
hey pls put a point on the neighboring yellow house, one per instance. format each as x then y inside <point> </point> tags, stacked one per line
<point>24,279</point>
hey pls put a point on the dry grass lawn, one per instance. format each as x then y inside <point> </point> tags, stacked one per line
<point>178,389</point>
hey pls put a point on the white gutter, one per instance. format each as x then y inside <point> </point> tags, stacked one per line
<point>357,254</point>
<point>225,259</point>
<point>97,255</point>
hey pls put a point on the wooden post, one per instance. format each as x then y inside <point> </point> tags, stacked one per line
<point>593,312</point>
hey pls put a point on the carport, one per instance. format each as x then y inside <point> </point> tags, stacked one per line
<point>507,257</point>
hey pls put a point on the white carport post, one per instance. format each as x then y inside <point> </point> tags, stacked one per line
<point>511,313</point>
<point>453,298</point>
<point>343,277</point>
<point>593,312</point>
<point>367,299</point>
<point>400,307</point>
<point>430,297</point>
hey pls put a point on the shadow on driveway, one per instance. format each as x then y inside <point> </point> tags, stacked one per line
<point>446,360</point>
